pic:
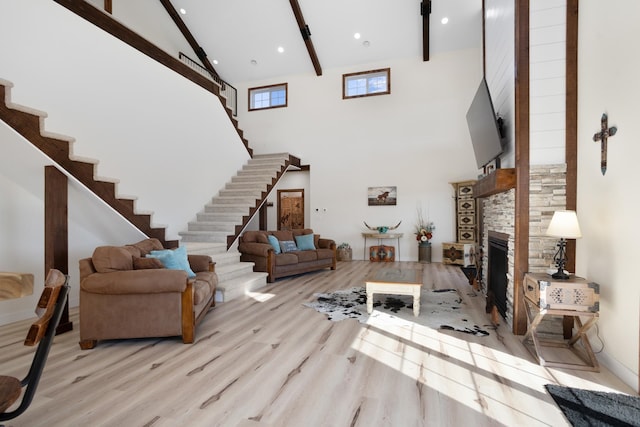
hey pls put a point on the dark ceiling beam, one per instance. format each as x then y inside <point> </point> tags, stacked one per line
<point>306,36</point>
<point>187,35</point>
<point>108,6</point>
<point>425,11</point>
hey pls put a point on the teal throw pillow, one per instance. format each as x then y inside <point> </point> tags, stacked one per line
<point>274,242</point>
<point>288,246</point>
<point>305,242</point>
<point>174,259</point>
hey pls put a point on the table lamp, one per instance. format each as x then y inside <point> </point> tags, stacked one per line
<point>564,225</point>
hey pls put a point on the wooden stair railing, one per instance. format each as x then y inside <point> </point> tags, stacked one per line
<point>29,126</point>
<point>126,35</point>
<point>291,161</point>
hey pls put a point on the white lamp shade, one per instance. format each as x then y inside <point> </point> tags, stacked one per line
<point>564,224</point>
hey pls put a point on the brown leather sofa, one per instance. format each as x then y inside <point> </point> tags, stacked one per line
<point>124,294</point>
<point>254,246</point>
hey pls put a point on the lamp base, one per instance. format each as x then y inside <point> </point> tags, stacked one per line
<point>561,275</point>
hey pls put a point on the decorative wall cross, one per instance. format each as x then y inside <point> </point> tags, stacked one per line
<point>602,136</point>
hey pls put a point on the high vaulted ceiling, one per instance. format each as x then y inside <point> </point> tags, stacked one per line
<point>243,36</point>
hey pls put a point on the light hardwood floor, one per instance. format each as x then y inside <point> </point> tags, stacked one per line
<point>266,360</point>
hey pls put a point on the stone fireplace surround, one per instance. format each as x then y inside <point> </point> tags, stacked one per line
<point>547,193</point>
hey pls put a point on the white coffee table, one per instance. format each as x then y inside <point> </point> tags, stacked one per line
<point>396,281</point>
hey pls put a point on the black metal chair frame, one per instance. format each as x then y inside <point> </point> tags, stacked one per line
<point>37,365</point>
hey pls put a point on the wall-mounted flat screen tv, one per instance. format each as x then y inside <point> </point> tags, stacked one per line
<point>483,127</point>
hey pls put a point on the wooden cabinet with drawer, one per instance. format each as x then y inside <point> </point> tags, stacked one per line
<point>575,293</point>
<point>466,226</point>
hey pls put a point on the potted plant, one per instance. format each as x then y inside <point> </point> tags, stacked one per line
<point>343,252</point>
<point>424,233</point>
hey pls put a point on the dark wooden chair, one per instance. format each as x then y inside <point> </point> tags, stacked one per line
<point>49,311</point>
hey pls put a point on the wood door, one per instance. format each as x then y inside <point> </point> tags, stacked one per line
<point>290,209</point>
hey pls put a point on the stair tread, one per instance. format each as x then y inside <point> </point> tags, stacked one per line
<point>25,109</point>
<point>58,136</point>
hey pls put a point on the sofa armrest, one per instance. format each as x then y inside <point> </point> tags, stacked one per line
<point>152,281</point>
<point>254,248</point>
<point>326,244</point>
<point>200,262</point>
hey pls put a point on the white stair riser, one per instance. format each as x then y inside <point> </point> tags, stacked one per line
<point>214,250</point>
<point>227,259</point>
<point>257,179</point>
<point>250,201</point>
<point>240,289</point>
<point>250,186</point>
<point>219,217</point>
<point>231,272</point>
<point>211,226</point>
<point>232,209</point>
<point>249,193</point>
<point>257,172</point>
<point>187,236</point>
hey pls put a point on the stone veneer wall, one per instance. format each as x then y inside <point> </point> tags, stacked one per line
<point>547,193</point>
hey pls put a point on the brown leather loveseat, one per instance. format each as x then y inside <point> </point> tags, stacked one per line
<point>287,252</point>
<point>125,293</point>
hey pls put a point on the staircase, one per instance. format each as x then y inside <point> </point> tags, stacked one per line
<point>29,123</point>
<point>220,222</point>
<point>216,227</point>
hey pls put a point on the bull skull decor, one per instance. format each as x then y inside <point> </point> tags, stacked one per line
<point>383,228</point>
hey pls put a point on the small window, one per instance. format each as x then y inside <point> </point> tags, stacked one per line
<point>366,83</point>
<point>263,97</point>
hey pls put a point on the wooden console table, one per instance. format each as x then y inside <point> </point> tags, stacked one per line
<point>573,298</point>
<point>381,237</point>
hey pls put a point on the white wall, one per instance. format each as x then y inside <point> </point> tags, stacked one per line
<point>608,69</point>
<point>151,21</point>
<point>416,138</point>
<point>500,68</point>
<point>168,141</point>
<point>547,85</point>
<point>547,56</point>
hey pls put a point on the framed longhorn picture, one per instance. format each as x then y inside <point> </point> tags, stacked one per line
<point>382,196</point>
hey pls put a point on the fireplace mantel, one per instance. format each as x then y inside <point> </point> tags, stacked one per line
<point>496,182</point>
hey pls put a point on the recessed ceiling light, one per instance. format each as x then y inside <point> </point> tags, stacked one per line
<point>183,11</point>
<point>366,43</point>
<point>444,20</point>
<point>356,36</point>
<point>280,49</point>
<point>254,62</point>
<point>215,62</point>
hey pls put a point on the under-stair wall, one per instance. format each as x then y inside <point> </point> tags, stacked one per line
<point>166,140</point>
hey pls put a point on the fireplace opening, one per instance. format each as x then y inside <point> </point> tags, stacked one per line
<point>497,275</point>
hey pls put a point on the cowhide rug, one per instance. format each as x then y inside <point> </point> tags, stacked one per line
<point>439,309</point>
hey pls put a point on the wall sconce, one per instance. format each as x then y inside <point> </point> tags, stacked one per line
<point>564,224</point>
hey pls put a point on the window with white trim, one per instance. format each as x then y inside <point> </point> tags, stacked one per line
<point>273,96</point>
<point>366,83</point>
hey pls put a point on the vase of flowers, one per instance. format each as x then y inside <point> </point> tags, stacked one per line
<point>424,233</point>
<point>344,252</point>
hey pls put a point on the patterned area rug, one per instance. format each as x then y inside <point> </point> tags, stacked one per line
<point>596,408</point>
<point>439,309</point>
